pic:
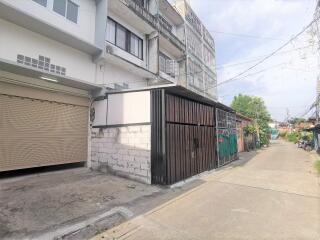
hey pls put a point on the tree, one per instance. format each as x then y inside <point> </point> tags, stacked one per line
<point>254,108</point>
<point>296,120</point>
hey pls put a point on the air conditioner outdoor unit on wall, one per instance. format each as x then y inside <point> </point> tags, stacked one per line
<point>109,49</point>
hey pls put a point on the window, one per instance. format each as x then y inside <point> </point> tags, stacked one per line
<point>41,2</point>
<point>59,6</point>
<point>136,46</point>
<point>67,9</point>
<point>124,39</point>
<point>72,12</point>
<point>111,31</point>
<point>139,2</point>
<point>121,37</point>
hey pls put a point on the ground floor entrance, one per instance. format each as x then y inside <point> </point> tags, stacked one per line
<point>41,127</point>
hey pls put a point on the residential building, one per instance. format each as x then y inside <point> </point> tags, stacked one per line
<point>163,135</point>
<point>48,50</point>
<point>142,46</point>
<point>70,52</point>
<point>200,53</point>
<point>69,65</point>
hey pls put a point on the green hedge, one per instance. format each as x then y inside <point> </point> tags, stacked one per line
<point>296,136</point>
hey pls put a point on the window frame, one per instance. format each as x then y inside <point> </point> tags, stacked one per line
<point>128,35</point>
<point>46,4</point>
<point>65,15</point>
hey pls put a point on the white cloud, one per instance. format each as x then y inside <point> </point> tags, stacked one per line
<point>291,78</point>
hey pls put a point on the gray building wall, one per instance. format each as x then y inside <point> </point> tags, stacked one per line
<point>123,151</point>
<point>201,73</point>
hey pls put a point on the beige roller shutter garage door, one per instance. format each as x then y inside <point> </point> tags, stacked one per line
<point>41,128</point>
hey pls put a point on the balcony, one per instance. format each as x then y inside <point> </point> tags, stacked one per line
<point>168,69</point>
<point>139,9</point>
<point>168,19</point>
<point>165,30</point>
<point>135,14</point>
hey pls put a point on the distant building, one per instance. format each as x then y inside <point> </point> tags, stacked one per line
<point>200,53</point>
<point>245,140</point>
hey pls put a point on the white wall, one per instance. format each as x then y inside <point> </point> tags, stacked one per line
<point>113,74</point>
<point>84,29</point>
<point>17,40</point>
<point>129,108</point>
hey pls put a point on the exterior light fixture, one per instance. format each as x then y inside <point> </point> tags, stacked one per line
<point>49,79</point>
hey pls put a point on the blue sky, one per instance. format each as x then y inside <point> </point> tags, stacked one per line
<point>286,81</point>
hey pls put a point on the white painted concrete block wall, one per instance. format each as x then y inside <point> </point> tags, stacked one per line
<point>124,151</point>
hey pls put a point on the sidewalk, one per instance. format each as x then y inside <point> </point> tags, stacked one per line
<point>79,203</point>
<point>274,196</point>
<point>74,204</point>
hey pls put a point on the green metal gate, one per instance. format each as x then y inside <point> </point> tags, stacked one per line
<point>226,137</point>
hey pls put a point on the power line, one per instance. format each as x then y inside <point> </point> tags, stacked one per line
<point>220,66</point>
<point>308,110</point>
<point>255,73</point>
<point>268,56</point>
<point>246,35</point>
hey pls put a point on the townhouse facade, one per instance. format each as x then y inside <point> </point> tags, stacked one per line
<point>48,55</point>
<point>77,76</point>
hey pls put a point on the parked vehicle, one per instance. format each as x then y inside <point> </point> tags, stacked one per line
<point>306,145</point>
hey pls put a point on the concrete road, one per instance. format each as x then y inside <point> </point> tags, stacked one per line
<point>274,195</point>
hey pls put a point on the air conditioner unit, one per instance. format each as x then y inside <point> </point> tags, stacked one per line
<point>109,49</point>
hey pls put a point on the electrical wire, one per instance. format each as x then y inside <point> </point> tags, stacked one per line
<point>268,56</point>
<point>220,66</point>
<point>246,35</point>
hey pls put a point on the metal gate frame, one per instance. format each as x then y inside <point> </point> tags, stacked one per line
<point>228,126</point>
<point>188,130</point>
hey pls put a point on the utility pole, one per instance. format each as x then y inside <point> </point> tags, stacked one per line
<point>317,109</point>
<point>317,31</point>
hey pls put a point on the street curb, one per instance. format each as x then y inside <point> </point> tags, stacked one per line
<point>64,231</point>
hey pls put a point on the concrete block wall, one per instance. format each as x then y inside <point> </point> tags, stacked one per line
<point>123,151</point>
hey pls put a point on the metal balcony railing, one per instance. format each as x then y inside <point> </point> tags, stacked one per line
<point>169,66</point>
<point>156,21</point>
<point>141,11</point>
<point>164,23</point>
<point>171,37</point>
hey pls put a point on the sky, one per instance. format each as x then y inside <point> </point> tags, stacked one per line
<point>287,81</point>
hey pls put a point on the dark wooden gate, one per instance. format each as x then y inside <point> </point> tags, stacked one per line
<point>183,138</point>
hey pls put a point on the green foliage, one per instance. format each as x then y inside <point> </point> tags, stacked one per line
<point>254,108</point>
<point>297,120</point>
<point>250,128</point>
<point>293,137</point>
<point>264,140</point>
<point>317,166</point>
<point>283,134</point>
<point>296,136</point>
